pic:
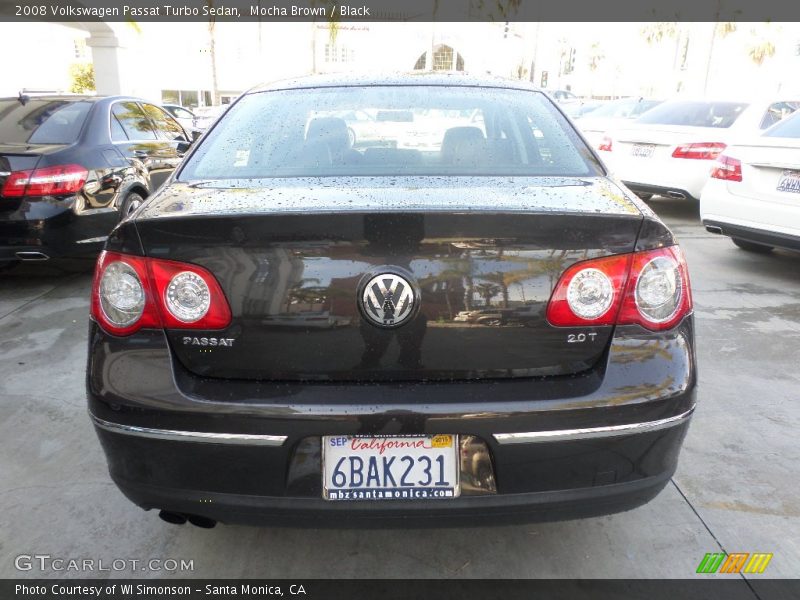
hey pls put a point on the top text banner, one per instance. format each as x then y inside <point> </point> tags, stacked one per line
<point>398,10</point>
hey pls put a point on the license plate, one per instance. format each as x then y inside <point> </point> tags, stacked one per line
<point>423,467</point>
<point>789,182</point>
<point>643,150</point>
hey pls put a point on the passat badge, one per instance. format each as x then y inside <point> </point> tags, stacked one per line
<point>388,300</point>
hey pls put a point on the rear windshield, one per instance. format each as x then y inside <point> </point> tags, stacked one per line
<point>391,130</point>
<point>694,114</point>
<point>42,121</point>
<point>788,128</point>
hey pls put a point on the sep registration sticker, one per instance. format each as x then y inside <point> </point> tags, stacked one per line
<point>421,467</point>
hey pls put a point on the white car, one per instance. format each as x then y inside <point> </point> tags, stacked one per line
<point>182,115</point>
<point>612,115</point>
<point>669,150</point>
<point>753,194</point>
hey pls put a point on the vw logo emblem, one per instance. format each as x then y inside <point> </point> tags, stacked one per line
<point>388,300</point>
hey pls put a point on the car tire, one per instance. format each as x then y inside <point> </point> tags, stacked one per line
<point>130,204</point>
<point>752,247</point>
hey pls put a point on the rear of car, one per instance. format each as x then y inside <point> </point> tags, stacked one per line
<point>71,167</point>
<point>753,195</point>
<point>596,123</point>
<point>670,149</point>
<point>299,330</point>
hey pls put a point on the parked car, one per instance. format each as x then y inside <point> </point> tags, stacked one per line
<point>205,116</point>
<point>669,149</point>
<point>72,166</point>
<point>182,115</point>
<point>613,114</point>
<point>565,97</point>
<point>753,195</point>
<point>402,412</point>
<point>578,110</point>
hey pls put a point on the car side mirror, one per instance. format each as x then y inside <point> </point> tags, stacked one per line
<point>196,133</point>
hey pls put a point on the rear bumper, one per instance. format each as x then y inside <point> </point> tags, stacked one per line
<point>752,234</point>
<point>250,452</point>
<point>39,230</point>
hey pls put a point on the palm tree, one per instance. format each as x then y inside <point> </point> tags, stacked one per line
<point>487,291</point>
<point>720,30</point>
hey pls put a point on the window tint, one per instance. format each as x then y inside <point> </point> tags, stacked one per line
<point>42,121</point>
<point>788,128</point>
<point>133,121</point>
<point>412,130</point>
<point>694,114</point>
<point>117,131</point>
<point>778,111</point>
<point>166,127</point>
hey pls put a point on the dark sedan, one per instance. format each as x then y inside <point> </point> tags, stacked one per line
<point>209,408</point>
<point>72,166</point>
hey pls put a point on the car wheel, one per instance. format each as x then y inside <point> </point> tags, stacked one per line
<point>752,247</point>
<point>352,135</point>
<point>645,197</point>
<point>492,322</point>
<point>131,203</point>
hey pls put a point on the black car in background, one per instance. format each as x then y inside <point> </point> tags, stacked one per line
<point>220,390</point>
<point>72,166</point>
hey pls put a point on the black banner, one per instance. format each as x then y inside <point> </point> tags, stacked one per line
<point>382,589</point>
<point>397,10</point>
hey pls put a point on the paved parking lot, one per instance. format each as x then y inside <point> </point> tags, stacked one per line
<point>736,488</point>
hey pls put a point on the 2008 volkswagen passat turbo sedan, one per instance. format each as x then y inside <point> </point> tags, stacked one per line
<point>453,316</point>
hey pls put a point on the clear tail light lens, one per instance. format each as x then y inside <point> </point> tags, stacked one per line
<point>649,288</point>
<point>47,181</point>
<point>121,294</point>
<point>134,292</point>
<point>727,169</point>
<point>699,150</point>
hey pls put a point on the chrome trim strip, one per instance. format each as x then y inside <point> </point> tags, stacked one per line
<point>561,435</point>
<point>5,173</point>
<point>191,436</point>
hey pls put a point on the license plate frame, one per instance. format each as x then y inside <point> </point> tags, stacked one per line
<point>789,175</point>
<point>392,446</point>
<point>643,150</point>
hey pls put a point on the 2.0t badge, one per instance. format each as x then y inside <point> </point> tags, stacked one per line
<point>388,300</point>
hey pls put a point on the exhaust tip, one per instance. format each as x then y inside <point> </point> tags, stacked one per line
<point>171,517</point>
<point>202,522</point>
<point>32,256</point>
<point>676,195</point>
<point>713,229</point>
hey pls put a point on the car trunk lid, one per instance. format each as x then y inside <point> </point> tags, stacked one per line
<point>482,254</point>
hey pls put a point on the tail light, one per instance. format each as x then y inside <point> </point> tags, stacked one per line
<point>606,145</point>
<point>649,288</point>
<point>699,151</point>
<point>47,181</point>
<point>727,169</point>
<point>134,292</point>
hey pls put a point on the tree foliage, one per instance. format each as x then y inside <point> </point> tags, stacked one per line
<point>82,76</point>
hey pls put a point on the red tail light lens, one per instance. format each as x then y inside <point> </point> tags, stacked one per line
<point>606,145</point>
<point>699,151</point>
<point>133,292</point>
<point>649,288</point>
<point>727,169</point>
<point>47,181</point>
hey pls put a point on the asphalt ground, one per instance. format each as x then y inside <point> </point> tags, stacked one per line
<point>737,488</point>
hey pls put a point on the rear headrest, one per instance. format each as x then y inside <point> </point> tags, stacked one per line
<point>329,130</point>
<point>463,145</point>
